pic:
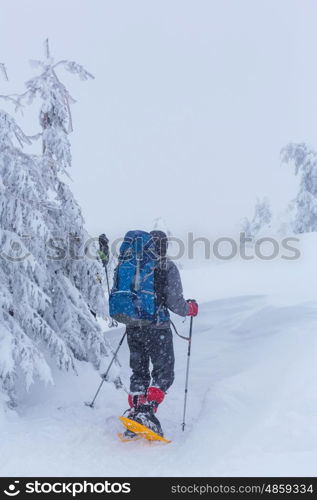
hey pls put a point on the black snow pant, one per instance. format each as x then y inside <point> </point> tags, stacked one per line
<point>151,344</point>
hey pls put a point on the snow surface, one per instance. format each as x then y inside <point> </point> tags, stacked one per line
<point>252,406</point>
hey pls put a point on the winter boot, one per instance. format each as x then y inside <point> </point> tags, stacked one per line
<point>144,415</point>
<point>143,409</point>
<point>134,401</point>
<point>154,396</point>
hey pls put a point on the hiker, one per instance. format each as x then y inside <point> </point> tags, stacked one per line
<point>150,340</point>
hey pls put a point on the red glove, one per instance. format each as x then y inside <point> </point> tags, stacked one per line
<point>192,307</point>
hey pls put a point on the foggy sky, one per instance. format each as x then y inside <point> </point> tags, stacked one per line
<point>191,104</point>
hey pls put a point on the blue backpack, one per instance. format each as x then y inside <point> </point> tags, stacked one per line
<point>133,298</point>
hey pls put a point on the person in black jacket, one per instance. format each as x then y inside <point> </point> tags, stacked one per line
<point>155,342</point>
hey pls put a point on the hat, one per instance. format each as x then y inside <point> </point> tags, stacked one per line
<point>161,242</point>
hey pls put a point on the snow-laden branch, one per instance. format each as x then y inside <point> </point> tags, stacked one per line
<point>75,68</point>
<point>9,128</point>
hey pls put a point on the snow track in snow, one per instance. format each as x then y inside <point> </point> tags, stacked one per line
<point>252,406</point>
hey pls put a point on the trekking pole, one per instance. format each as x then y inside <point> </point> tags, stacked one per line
<point>113,323</point>
<point>107,278</point>
<point>104,256</point>
<point>104,377</point>
<point>187,370</point>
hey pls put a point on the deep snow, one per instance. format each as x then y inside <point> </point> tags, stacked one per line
<point>252,406</point>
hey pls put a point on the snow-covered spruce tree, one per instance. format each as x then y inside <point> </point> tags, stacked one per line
<point>304,207</point>
<point>52,296</point>
<point>24,281</point>
<point>261,218</point>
